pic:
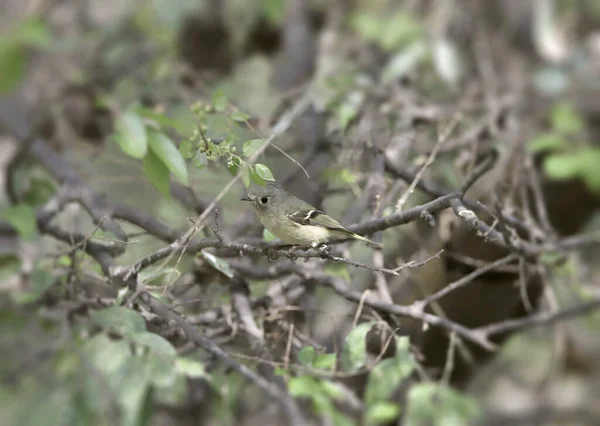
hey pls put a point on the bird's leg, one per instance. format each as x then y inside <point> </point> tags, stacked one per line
<point>324,249</point>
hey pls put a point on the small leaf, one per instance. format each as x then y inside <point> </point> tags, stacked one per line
<point>349,108</point>
<point>186,148</point>
<point>124,321</point>
<point>354,355</point>
<point>33,32</point>
<point>233,166</point>
<point>446,59</point>
<point>156,343</point>
<point>190,367</point>
<point>267,236</point>
<point>167,152</point>
<point>41,281</point>
<point>219,100</point>
<point>382,413</point>
<point>562,166</point>
<point>306,355</point>
<point>430,403</point>
<point>246,174</point>
<point>303,386</point>
<point>256,178</point>
<point>251,146</point>
<point>131,135</point>
<point>387,375</point>
<point>404,62</point>
<point>239,116</point>
<point>105,354</point>
<point>264,172</point>
<point>21,217</point>
<point>218,263</point>
<point>13,62</point>
<point>546,142</point>
<point>325,361</point>
<point>157,173</point>
<point>566,120</point>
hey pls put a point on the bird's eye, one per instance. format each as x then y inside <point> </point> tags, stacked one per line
<point>264,200</point>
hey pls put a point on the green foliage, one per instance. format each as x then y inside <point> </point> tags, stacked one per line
<point>142,134</point>
<point>219,264</point>
<point>40,281</point>
<point>157,173</point>
<point>205,149</point>
<point>22,218</point>
<point>566,159</point>
<point>164,148</point>
<point>354,355</point>
<point>322,394</point>
<point>438,405</point>
<point>390,31</point>
<point>13,51</point>
<point>130,135</point>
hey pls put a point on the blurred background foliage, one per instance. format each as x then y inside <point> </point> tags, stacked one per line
<point>143,97</point>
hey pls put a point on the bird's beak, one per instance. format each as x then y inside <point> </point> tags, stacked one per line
<point>246,198</point>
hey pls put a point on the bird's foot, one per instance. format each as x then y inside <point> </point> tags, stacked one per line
<point>271,254</point>
<point>290,254</point>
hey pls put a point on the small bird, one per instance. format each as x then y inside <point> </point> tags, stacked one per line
<point>294,221</point>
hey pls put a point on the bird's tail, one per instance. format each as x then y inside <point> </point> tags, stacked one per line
<point>366,240</point>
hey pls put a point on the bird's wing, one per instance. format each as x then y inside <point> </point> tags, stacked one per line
<point>316,217</point>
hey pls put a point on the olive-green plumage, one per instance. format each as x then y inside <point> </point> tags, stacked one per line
<point>294,221</point>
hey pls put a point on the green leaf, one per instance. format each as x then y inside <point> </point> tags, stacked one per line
<point>32,32</point>
<point>186,148</point>
<point>218,263</point>
<point>251,146</point>
<point>325,361</point>
<point>354,355</point>
<point>131,135</point>
<point>132,383</point>
<point>239,116</point>
<point>306,355</point>
<point>219,100</point>
<point>256,178</point>
<point>546,142</point>
<point>304,386</point>
<point>382,413</point>
<point>246,174</point>
<point>156,343</point>
<point>264,172</point>
<point>404,62</point>
<point>233,166</point>
<point>447,61</point>
<point>105,354</point>
<point>167,152</point>
<point>157,173</point>
<point>122,320</point>
<point>267,236</point>
<point>22,218</point>
<point>274,11</point>
<point>430,403</point>
<point>562,166</point>
<point>387,375</point>
<point>591,169</point>
<point>13,62</point>
<point>190,367</point>
<point>41,281</point>
<point>349,108</point>
<point>566,120</point>
<point>159,118</point>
